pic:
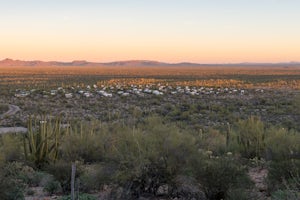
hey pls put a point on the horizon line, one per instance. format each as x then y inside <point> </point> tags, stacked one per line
<point>154,61</point>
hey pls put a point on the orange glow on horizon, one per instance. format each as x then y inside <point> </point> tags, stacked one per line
<point>168,31</point>
<point>203,50</point>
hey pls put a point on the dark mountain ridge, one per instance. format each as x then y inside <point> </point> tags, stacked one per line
<point>139,63</point>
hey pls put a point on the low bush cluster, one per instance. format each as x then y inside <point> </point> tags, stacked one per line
<point>153,158</point>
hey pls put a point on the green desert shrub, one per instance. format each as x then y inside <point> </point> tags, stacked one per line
<point>96,175</point>
<point>39,178</point>
<point>61,171</point>
<point>283,151</point>
<point>27,175</point>
<point>10,188</point>
<point>289,190</point>
<point>282,144</point>
<point>88,142</point>
<point>19,171</point>
<point>148,180</point>
<point>11,148</point>
<point>2,159</point>
<point>150,155</point>
<point>248,138</point>
<point>214,141</point>
<point>53,187</point>
<point>237,194</point>
<point>219,176</point>
<point>282,173</point>
<point>296,104</point>
<point>87,148</point>
<point>3,108</point>
<point>155,142</point>
<point>11,184</point>
<point>290,194</point>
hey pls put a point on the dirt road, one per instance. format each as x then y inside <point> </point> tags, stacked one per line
<point>5,130</point>
<point>12,109</point>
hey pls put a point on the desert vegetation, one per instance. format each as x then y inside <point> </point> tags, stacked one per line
<point>3,108</point>
<point>199,133</point>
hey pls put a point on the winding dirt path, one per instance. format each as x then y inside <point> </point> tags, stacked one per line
<point>258,175</point>
<point>13,109</point>
<point>5,130</point>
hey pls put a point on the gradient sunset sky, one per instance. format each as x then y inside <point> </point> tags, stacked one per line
<point>203,31</point>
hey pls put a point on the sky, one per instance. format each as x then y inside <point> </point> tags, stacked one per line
<point>203,31</point>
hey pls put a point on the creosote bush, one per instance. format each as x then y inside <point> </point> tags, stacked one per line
<point>13,181</point>
<point>248,136</point>
<point>282,144</point>
<point>11,148</point>
<point>220,176</point>
<point>61,172</point>
<point>139,159</point>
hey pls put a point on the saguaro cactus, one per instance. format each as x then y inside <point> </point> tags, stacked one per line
<point>42,140</point>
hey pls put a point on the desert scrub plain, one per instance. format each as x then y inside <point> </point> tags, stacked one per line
<point>151,133</point>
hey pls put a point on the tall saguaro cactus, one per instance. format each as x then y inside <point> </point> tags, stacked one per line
<point>42,140</point>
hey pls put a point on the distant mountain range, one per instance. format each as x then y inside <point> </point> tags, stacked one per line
<point>129,63</point>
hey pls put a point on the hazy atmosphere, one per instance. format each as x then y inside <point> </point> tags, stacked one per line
<point>200,31</point>
<point>150,100</point>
